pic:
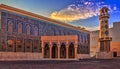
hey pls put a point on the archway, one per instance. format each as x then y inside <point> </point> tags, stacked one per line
<point>114,54</point>
<point>54,51</point>
<point>115,50</point>
<point>46,51</point>
<point>19,47</point>
<point>28,45</point>
<point>71,51</point>
<point>62,51</point>
<point>10,26</point>
<point>11,47</point>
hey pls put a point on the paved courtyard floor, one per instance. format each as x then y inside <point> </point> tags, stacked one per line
<point>81,64</point>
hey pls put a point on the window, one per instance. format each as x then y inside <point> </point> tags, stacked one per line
<point>10,26</point>
<point>28,30</point>
<point>10,45</point>
<point>52,32</point>
<point>81,38</point>
<point>45,32</point>
<point>106,21</point>
<point>35,47</point>
<point>19,46</point>
<point>105,10</point>
<point>19,28</point>
<point>28,47</point>
<point>68,33</point>
<point>36,31</point>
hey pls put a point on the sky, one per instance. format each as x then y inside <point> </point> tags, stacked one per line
<point>83,13</point>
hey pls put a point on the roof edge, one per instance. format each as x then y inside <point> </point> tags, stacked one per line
<point>33,15</point>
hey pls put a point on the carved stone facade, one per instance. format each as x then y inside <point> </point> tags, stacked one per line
<point>59,46</point>
<point>21,31</point>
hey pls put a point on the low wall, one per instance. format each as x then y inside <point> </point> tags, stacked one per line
<point>6,56</point>
<point>20,56</point>
<point>83,56</point>
<point>104,55</point>
<point>115,47</point>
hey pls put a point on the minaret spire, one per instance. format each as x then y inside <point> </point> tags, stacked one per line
<point>104,37</point>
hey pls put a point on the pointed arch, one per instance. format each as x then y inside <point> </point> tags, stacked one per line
<point>63,51</point>
<point>46,51</point>
<point>71,51</point>
<point>36,31</point>
<point>54,51</point>
<point>28,29</point>
<point>19,28</point>
<point>10,26</point>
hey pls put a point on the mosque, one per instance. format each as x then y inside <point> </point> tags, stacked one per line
<point>25,35</point>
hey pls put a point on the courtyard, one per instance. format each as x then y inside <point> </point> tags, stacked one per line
<point>56,64</point>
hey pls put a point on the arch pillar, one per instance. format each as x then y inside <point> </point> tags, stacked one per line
<point>75,47</point>
<point>15,47</point>
<point>75,52</point>
<point>33,43</point>
<point>58,50</point>
<point>67,45</point>
<point>42,49</point>
<point>23,45</point>
<point>50,46</point>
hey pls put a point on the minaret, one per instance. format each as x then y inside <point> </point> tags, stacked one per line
<point>104,37</point>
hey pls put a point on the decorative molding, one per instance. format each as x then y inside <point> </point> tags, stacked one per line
<point>26,13</point>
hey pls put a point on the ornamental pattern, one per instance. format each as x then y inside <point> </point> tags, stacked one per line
<point>29,31</point>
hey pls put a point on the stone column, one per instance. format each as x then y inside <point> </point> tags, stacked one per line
<point>58,50</point>
<point>42,52</point>
<point>23,43</point>
<point>67,45</point>
<point>32,45</point>
<point>67,52</point>
<point>39,46</point>
<point>15,44</point>
<point>50,46</point>
<point>75,47</point>
<point>42,49</point>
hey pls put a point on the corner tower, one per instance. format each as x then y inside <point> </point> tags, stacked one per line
<point>104,37</point>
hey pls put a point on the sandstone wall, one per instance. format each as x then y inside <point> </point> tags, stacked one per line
<point>20,56</point>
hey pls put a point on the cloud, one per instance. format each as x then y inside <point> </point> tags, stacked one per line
<point>96,27</point>
<point>92,28</point>
<point>72,13</point>
<point>79,10</point>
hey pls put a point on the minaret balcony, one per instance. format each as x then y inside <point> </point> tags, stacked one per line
<point>104,16</point>
<point>105,39</point>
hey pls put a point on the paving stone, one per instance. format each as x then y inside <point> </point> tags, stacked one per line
<point>54,64</point>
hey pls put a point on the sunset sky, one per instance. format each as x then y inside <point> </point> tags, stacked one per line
<point>82,13</point>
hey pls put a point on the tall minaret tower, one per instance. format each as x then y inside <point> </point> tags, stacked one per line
<point>104,37</point>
